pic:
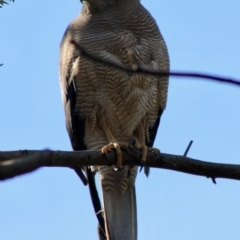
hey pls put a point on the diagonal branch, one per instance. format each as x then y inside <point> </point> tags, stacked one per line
<point>142,69</point>
<point>14,163</point>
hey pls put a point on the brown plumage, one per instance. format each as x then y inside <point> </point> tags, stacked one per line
<point>103,103</point>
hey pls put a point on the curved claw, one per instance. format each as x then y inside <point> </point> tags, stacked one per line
<point>141,167</point>
<point>144,157</point>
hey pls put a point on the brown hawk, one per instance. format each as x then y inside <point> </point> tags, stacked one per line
<point>106,106</point>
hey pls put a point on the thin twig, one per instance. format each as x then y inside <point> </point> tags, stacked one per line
<point>141,69</point>
<point>188,148</point>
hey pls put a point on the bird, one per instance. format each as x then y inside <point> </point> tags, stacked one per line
<point>107,107</point>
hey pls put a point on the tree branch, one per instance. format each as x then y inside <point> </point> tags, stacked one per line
<point>14,163</point>
<point>2,2</point>
<point>141,69</point>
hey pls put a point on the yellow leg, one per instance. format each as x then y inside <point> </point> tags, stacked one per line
<point>145,150</point>
<point>113,145</point>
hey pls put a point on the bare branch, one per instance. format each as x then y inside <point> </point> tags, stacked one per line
<point>15,163</point>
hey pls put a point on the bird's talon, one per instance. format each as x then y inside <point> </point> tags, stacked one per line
<point>108,148</point>
<point>132,142</point>
<point>135,151</point>
<point>142,165</point>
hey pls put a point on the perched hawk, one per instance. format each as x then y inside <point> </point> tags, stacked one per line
<point>106,106</point>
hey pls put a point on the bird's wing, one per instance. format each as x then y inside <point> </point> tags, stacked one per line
<point>75,123</point>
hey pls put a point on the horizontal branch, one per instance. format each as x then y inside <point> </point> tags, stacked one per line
<point>14,163</point>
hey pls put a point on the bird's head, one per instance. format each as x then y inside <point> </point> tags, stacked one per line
<point>97,5</point>
<point>94,6</point>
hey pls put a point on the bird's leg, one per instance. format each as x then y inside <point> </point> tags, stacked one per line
<point>133,144</point>
<point>113,145</point>
<point>145,151</point>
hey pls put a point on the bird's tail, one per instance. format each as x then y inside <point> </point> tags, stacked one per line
<point>119,199</point>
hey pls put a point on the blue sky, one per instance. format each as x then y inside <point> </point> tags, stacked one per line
<point>52,203</point>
